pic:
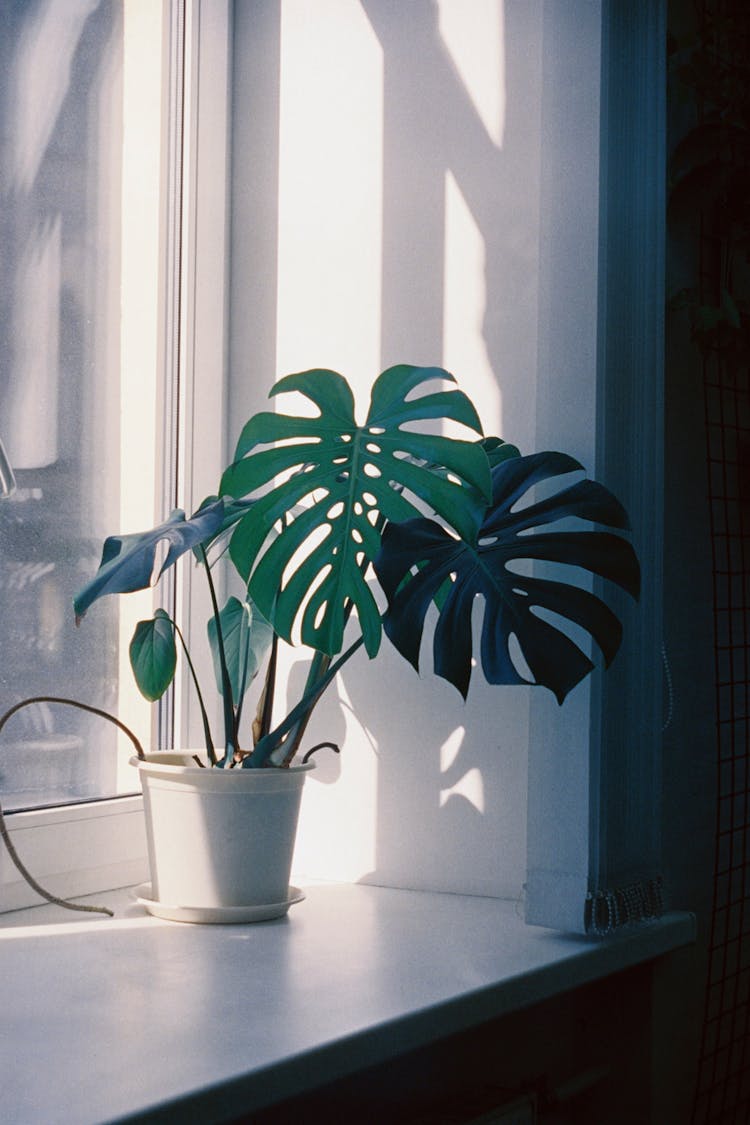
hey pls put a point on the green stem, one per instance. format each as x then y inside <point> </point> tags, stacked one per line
<point>265,709</point>
<point>5,835</point>
<point>210,749</point>
<point>242,681</point>
<point>230,722</point>
<point>319,665</point>
<point>274,739</point>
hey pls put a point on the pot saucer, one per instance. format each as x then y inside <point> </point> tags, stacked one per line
<point>218,915</point>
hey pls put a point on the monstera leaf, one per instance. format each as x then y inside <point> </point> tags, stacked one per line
<point>419,558</point>
<point>349,478</point>
<point>128,561</point>
<point>246,636</point>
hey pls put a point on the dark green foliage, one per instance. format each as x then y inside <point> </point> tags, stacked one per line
<point>128,561</point>
<point>310,503</point>
<point>349,477</point>
<point>420,558</point>
<point>153,655</point>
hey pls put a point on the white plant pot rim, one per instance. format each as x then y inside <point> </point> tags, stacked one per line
<point>179,766</point>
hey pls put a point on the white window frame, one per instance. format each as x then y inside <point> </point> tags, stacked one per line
<point>80,849</point>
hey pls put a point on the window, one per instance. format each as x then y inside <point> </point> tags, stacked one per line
<point>104,217</point>
<point>80,390</point>
<point>427,188</point>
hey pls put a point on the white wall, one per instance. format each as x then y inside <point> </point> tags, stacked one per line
<point>387,178</point>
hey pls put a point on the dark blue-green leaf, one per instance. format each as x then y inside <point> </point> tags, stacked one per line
<point>419,558</point>
<point>153,655</point>
<point>128,561</point>
<point>498,450</point>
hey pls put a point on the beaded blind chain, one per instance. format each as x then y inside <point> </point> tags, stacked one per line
<point>607,910</point>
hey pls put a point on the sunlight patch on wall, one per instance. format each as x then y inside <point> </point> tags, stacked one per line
<point>450,748</point>
<point>474,35</point>
<point>337,827</point>
<point>329,315</point>
<point>465,295</point>
<point>330,190</point>
<point>470,787</point>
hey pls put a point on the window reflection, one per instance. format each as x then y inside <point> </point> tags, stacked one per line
<point>61,128</point>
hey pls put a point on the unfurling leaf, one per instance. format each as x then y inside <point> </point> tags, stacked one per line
<point>246,636</point>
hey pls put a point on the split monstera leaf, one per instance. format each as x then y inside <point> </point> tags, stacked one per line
<point>420,558</point>
<point>318,509</point>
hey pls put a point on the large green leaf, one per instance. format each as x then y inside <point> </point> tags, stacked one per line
<point>128,561</point>
<point>247,637</point>
<point>419,556</point>
<point>153,655</point>
<point>349,479</point>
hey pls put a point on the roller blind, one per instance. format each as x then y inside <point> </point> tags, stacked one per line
<point>594,770</point>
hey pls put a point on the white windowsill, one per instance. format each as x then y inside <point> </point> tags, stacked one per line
<point>137,1019</point>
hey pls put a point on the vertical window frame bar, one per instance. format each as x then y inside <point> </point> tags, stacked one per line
<point>80,849</point>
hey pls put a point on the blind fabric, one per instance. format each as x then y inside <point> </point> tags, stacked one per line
<point>594,771</point>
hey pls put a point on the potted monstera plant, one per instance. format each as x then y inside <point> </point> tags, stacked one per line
<point>342,531</point>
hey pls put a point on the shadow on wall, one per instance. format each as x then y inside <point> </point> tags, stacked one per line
<point>435,134</point>
<point>460,132</point>
<point>444,772</point>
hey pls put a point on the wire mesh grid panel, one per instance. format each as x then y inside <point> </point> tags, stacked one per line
<point>723,1085</point>
<point>716,174</point>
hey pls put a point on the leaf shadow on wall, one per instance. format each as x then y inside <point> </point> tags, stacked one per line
<point>451,789</point>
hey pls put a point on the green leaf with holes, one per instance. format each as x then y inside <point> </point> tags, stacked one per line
<point>419,557</point>
<point>349,478</point>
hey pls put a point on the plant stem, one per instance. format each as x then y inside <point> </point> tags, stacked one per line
<point>241,686</point>
<point>210,750</point>
<point>230,721</point>
<point>37,887</point>
<point>262,722</point>
<point>82,707</point>
<point>320,746</point>
<point>274,739</point>
<point>318,667</point>
<point>5,835</point>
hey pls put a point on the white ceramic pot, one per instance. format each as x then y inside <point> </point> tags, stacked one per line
<point>219,839</point>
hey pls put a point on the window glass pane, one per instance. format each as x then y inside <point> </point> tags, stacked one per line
<point>80,168</point>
